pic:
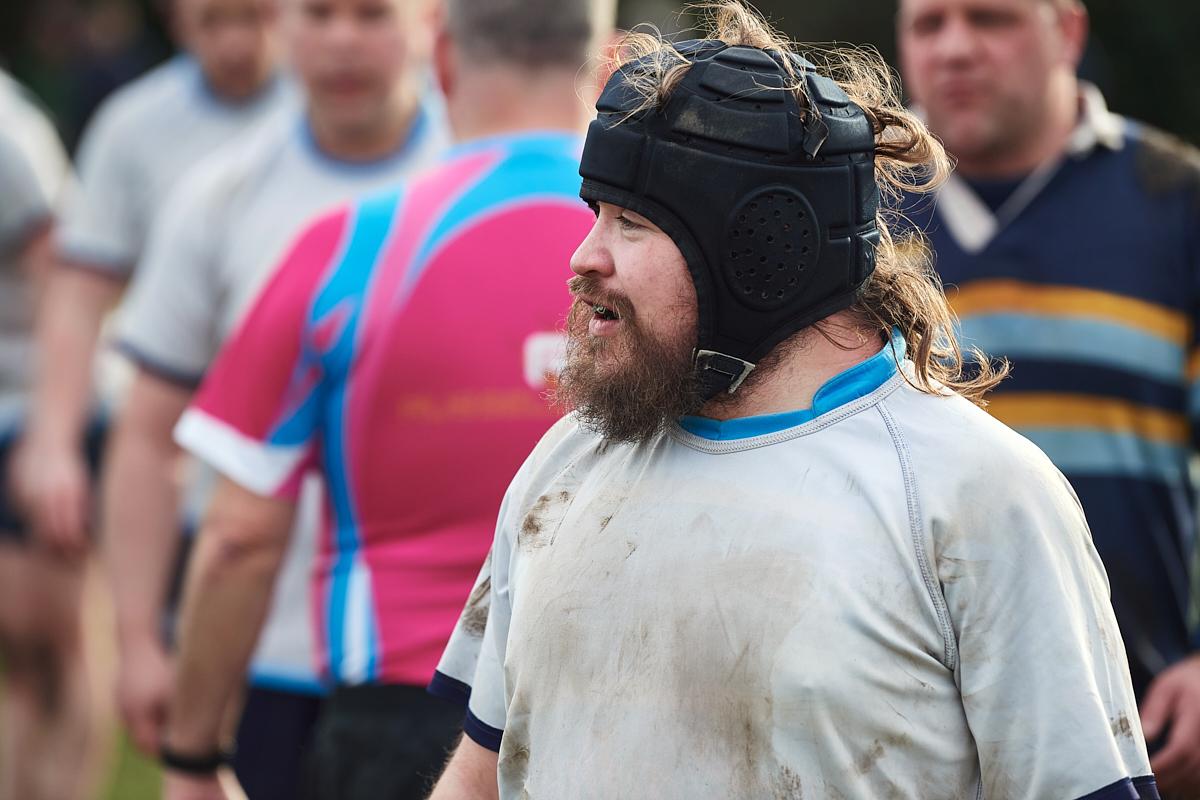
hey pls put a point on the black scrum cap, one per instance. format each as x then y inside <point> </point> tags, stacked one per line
<point>772,204</point>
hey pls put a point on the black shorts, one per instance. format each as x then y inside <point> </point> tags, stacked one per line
<point>12,524</point>
<point>274,739</point>
<point>381,742</point>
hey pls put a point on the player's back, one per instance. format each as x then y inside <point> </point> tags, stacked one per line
<point>405,343</point>
<point>453,343</point>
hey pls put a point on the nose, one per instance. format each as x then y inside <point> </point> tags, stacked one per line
<point>593,256</point>
<point>341,34</point>
<point>957,40</point>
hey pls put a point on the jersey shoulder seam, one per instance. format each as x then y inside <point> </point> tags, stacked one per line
<point>916,531</point>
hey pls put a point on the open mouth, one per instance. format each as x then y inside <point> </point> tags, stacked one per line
<point>604,312</point>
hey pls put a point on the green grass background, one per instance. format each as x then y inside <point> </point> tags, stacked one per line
<point>134,777</point>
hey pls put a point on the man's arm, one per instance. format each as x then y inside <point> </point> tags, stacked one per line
<point>470,774</point>
<point>226,598</point>
<point>1172,706</point>
<point>51,474</point>
<point>141,544</point>
<point>37,260</point>
<point>1041,667</point>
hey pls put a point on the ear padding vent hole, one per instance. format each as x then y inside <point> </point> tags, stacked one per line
<point>770,248</point>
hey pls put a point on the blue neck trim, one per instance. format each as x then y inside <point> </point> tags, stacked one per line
<point>418,129</point>
<point>190,67</point>
<point>533,139</point>
<point>845,387</point>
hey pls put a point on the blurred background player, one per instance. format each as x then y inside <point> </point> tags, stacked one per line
<point>44,719</point>
<point>1070,240</point>
<point>404,347</point>
<point>142,139</point>
<point>368,120</point>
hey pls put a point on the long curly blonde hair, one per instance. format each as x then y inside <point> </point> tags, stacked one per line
<point>903,292</point>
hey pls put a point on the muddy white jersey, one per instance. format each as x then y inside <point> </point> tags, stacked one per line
<point>888,595</point>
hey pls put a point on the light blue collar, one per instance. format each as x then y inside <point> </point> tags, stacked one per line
<point>419,129</point>
<point>845,387</point>
<point>537,140</point>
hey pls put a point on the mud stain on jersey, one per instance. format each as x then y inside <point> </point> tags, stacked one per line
<point>514,766</point>
<point>1122,727</point>
<point>537,529</point>
<point>788,785</point>
<point>475,615</point>
<point>878,749</point>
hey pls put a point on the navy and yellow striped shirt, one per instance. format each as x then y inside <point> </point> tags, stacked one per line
<point>1087,278</point>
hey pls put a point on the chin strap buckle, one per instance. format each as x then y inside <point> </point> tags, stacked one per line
<point>719,372</point>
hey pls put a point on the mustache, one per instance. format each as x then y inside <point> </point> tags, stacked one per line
<point>584,286</point>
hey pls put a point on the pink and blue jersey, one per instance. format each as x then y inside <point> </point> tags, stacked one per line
<point>403,348</point>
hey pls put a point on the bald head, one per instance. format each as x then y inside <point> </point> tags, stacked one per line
<point>533,34</point>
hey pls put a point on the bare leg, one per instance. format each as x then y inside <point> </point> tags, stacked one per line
<point>50,743</point>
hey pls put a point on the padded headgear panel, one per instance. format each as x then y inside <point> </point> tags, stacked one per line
<point>772,203</point>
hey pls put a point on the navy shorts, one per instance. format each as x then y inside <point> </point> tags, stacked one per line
<point>12,524</point>
<point>274,740</point>
<point>377,742</point>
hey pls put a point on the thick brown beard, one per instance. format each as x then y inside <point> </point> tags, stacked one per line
<point>653,385</point>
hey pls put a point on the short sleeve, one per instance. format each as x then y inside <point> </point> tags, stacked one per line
<point>168,325</point>
<point>1041,666</point>
<point>471,670</point>
<point>103,226</point>
<point>257,413</point>
<point>24,206</point>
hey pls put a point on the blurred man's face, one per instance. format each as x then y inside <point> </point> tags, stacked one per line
<point>232,40</point>
<point>983,70</point>
<point>631,329</point>
<point>352,54</point>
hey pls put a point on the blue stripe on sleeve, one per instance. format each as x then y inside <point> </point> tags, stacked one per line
<point>447,688</point>
<point>1147,788</point>
<point>1121,790</point>
<point>1125,789</point>
<point>485,735</point>
<point>148,363</point>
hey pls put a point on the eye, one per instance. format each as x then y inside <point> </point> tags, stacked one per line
<point>627,224</point>
<point>375,13</point>
<point>318,11</point>
<point>926,24</point>
<point>993,18</point>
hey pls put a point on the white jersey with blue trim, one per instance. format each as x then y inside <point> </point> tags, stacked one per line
<point>889,595</point>
<point>224,229</point>
<point>141,141</point>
